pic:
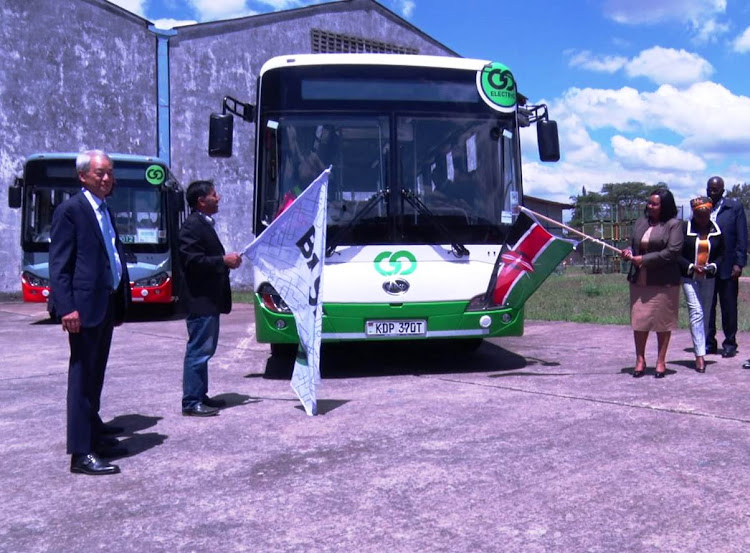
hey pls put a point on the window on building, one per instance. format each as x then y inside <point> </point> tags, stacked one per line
<point>324,42</point>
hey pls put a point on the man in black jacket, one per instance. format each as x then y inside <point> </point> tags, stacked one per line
<point>90,292</point>
<point>204,295</point>
<point>729,215</point>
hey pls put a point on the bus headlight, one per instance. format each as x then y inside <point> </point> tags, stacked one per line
<point>483,302</point>
<point>480,303</point>
<point>152,281</point>
<point>33,280</point>
<point>272,300</point>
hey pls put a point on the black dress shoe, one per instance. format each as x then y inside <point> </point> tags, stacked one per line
<point>91,464</point>
<point>214,402</point>
<point>200,410</point>
<point>659,374</point>
<point>729,353</point>
<point>638,374</point>
<point>746,364</point>
<point>111,429</point>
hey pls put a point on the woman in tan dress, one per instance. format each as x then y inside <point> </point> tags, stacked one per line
<point>654,276</point>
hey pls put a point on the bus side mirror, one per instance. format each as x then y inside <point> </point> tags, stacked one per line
<point>548,141</point>
<point>14,195</point>
<point>220,130</point>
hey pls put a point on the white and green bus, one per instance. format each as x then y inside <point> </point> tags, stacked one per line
<point>425,184</point>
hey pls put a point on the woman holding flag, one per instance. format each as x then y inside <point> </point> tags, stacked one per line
<point>654,277</point>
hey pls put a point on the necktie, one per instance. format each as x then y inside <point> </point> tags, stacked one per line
<point>109,241</point>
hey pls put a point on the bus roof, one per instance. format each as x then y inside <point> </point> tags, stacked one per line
<point>373,59</point>
<point>73,155</point>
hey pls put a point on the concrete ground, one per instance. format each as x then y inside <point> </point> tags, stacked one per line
<point>535,444</point>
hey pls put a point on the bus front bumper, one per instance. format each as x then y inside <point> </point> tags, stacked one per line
<point>348,322</point>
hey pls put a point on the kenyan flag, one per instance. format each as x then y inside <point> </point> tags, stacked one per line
<point>527,258</point>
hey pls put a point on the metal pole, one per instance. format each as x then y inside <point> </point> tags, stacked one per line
<point>570,229</point>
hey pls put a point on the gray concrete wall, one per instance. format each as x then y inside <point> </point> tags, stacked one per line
<point>210,61</point>
<point>79,74</point>
<point>74,74</point>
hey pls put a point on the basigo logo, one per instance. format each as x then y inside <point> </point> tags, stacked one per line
<point>396,286</point>
<point>401,262</point>
<point>155,174</point>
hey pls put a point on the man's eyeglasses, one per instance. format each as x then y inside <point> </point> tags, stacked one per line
<point>100,174</point>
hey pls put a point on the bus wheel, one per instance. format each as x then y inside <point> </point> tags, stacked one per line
<point>468,345</point>
<point>284,350</point>
<point>281,363</point>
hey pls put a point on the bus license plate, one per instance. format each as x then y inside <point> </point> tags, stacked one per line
<point>396,328</point>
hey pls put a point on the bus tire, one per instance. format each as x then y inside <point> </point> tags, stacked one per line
<point>468,345</point>
<point>283,350</point>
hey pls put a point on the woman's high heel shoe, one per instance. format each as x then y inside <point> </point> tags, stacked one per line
<point>660,374</point>
<point>700,366</point>
<point>637,373</point>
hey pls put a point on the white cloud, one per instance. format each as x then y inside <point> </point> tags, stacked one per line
<point>667,65</point>
<point>620,109</point>
<point>560,181</point>
<point>640,153</point>
<point>135,6</point>
<point>601,64</point>
<point>710,126</point>
<point>636,12</point>
<point>211,10</point>
<point>168,23</point>
<point>405,7</point>
<point>741,44</point>
<point>278,5</point>
<point>661,65</point>
<point>700,15</point>
<point>709,30</point>
<point>707,115</point>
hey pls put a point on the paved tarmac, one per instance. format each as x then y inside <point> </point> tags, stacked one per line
<point>536,444</point>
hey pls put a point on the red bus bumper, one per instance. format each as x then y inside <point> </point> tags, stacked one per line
<point>152,294</point>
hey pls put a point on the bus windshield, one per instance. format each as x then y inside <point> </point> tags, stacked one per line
<point>138,206</point>
<point>408,164</point>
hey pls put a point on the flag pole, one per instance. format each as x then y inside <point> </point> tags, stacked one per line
<point>571,229</point>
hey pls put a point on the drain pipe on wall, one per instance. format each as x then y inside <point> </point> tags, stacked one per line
<point>163,136</point>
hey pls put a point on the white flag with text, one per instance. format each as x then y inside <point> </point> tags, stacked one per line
<point>290,254</point>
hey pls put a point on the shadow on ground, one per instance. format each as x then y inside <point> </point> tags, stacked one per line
<point>352,360</point>
<point>143,312</point>
<point>130,438</point>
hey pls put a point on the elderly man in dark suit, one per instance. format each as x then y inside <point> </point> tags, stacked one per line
<point>90,291</point>
<point>729,215</point>
<point>204,295</point>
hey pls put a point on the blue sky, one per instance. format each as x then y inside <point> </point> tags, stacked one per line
<point>642,90</point>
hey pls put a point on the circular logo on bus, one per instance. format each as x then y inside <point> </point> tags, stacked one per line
<point>155,174</point>
<point>401,262</point>
<point>396,286</point>
<point>497,87</point>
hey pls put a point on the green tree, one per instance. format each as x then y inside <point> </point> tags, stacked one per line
<point>740,192</point>
<point>588,206</point>
<point>617,201</point>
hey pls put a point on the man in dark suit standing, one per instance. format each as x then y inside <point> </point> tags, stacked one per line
<point>90,291</point>
<point>729,214</point>
<point>204,295</point>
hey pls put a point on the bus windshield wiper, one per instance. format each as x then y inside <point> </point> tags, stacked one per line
<point>459,250</point>
<point>341,233</point>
